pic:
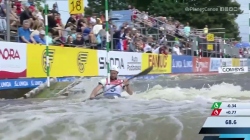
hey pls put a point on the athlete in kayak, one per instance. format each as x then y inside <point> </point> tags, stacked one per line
<point>110,92</point>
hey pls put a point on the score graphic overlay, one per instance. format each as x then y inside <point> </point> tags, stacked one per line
<point>223,121</point>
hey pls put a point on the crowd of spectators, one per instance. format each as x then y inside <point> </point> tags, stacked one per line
<point>89,32</point>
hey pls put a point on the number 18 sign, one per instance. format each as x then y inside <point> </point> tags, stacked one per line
<point>76,6</point>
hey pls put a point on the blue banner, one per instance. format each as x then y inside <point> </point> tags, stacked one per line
<point>28,83</point>
<point>214,64</point>
<point>121,17</point>
<point>182,64</point>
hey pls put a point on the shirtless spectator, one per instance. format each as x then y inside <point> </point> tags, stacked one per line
<point>24,32</point>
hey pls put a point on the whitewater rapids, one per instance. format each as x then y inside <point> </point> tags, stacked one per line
<point>166,108</point>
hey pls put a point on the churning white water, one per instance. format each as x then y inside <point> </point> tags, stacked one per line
<point>160,113</point>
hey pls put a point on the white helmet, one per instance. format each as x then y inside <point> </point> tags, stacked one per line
<point>114,68</point>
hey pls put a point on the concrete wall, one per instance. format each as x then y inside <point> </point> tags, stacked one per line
<point>13,93</point>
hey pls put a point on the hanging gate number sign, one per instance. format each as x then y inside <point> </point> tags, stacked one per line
<point>76,6</point>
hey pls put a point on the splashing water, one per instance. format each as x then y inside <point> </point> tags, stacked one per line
<point>159,113</point>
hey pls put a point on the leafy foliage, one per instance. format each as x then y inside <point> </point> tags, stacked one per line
<point>40,4</point>
<point>98,6</point>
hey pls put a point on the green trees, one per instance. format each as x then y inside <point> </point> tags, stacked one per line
<point>176,9</point>
<point>98,6</point>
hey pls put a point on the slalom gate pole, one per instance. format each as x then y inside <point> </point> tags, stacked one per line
<point>47,45</point>
<point>107,40</point>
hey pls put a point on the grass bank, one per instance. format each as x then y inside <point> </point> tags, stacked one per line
<point>51,92</point>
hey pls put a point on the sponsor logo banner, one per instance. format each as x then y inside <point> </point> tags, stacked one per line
<point>28,83</point>
<point>243,62</point>
<point>235,62</point>
<point>226,62</point>
<point>201,64</point>
<point>182,64</point>
<point>121,17</point>
<point>63,61</point>
<point>12,60</point>
<point>215,63</point>
<point>129,63</point>
<point>161,63</point>
<point>233,69</point>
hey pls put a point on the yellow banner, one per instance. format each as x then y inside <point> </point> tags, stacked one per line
<point>236,62</point>
<point>161,63</point>
<point>63,61</point>
<point>210,37</point>
<point>210,47</point>
<point>76,6</point>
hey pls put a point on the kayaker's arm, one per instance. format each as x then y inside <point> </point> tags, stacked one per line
<point>128,89</point>
<point>96,90</point>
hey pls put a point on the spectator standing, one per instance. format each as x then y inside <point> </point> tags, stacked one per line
<point>3,24</point>
<point>176,49</point>
<point>205,30</point>
<point>24,32</point>
<point>54,9</point>
<point>187,30</point>
<point>147,48</point>
<point>97,27</point>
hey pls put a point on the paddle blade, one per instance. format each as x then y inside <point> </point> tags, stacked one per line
<point>144,72</point>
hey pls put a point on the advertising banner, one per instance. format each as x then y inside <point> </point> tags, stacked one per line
<point>226,62</point>
<point>182,64</point>
<point>201,64</point>
<point>248,64</point>
<point>235,62</point>
<point>215,63</point>
<point>28,83</point>
<point>120,17</point>
<point>233,69</point>
<point>129,63</point>
<point>12,60</point>
<point>63,61</point>
<point>162,64</point>
<point>243,62</point>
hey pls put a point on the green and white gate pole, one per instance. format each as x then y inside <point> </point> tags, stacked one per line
<point>107,40</point>
<point>47,45</point>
